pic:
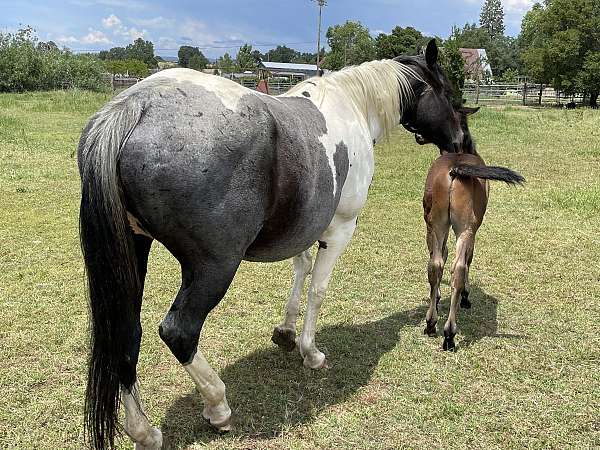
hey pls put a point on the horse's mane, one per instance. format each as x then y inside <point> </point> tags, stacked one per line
<point>380,86</point>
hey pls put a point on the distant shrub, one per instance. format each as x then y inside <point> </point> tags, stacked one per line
<point>131,67</point>
<point>29,65</point>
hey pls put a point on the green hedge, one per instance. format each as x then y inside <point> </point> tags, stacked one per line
<point>29,65</point>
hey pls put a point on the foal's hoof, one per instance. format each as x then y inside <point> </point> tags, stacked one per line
<point>449,345</point>
<point>285,338</point>
<point>464,302</point>
<point>430,331</point>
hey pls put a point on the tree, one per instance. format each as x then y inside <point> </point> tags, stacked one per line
<point>350,44</point>
<point>491,18</point>
<point>226,63</point>
<point>401,41</point>
<point>198,61</point>
<point>589,77</point>
<point>559,41</point>
<point>453,64</point>
<point>186,53</point>
<point>281,54</point>
<point>245,60</point>
<point>143,51</point>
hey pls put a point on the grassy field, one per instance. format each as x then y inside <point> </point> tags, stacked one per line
<point>527,371</point>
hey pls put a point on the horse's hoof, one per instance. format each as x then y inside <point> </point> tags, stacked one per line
<point>152,442</point>
<point>284,338</point>
<point>316,362</point>
<point>222,427</point>
<point>449,345</point>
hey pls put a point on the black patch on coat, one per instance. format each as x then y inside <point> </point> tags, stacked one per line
<point>306,94</point>
<point>323,245</point>
<point>341,162</point>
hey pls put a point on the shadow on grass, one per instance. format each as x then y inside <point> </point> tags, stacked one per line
<point>480,321</point>
<point>270,391</point>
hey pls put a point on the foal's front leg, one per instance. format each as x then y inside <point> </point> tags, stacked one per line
<point>284,335</point>
<point>332,244</point>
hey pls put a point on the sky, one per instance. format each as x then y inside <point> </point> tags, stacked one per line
<point>221,26</point>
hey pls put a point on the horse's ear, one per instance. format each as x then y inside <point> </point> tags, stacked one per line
<point>469,111</point>
<point>431,53</point>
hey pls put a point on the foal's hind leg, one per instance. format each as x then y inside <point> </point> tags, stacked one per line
<point>460,269</point>
<point>437,236</point>
<point>333,243</point>
<point>284,335</point>
<point>136,424</point>
<point>204,285</point>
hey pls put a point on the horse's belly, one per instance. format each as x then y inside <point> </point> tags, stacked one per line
<point>289,233</point>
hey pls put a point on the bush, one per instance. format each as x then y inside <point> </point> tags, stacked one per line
<point>131,67</point>
<point>26,65</point>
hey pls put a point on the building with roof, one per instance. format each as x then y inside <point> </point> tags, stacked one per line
<point>477,65</point>
<point>289,70</point>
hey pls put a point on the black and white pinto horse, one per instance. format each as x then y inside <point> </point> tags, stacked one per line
<point>219,174</point>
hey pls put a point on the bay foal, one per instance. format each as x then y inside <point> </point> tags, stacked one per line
<point>456,195</point>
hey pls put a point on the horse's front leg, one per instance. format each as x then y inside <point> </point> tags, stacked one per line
<point>331,245</point>
<point>284,335</point>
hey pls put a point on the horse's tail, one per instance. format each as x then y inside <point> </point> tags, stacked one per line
<point>487,172</point>
<point>111,268</point>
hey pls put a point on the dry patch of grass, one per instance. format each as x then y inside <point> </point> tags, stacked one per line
<point>526,373</point>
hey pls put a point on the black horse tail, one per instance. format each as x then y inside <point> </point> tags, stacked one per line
<point>111,267</point>
<point>487,172</point>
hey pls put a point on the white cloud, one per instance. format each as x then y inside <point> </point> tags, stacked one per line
<point>115,24</point>
<point>167,43</point>
<point>95,37</point>
<point>111,21</point>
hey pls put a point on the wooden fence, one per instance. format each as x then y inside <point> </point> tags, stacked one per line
<point>517,94</point>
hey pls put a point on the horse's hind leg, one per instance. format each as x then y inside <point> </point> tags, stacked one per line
<point>136,424</point>
<point>460,269</point>
<point>284,335</point>
<point>204,285</point>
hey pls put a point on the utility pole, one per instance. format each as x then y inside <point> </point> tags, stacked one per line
<point>321,4</point>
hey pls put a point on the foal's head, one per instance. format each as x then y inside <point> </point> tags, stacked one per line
<point>432,116</point>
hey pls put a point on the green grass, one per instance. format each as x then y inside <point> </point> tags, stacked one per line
<point>527,373</point>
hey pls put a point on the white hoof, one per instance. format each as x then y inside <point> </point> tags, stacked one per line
<point>315,360</point>
<point>219,417</point>
<point>152,442</point>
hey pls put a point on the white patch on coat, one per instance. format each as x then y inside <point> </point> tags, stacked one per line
<point>361,105</point>
<point>229,92</point>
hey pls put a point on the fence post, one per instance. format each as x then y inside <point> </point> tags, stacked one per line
<point>525,93</point>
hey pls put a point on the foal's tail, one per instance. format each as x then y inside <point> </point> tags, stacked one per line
<point>111,268</point>
<point>487,172</point>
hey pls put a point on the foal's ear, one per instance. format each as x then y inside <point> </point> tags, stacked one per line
<point>431,53</point>
<point>469,111</point>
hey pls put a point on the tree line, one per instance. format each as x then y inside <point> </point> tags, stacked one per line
<point>559,46</point>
